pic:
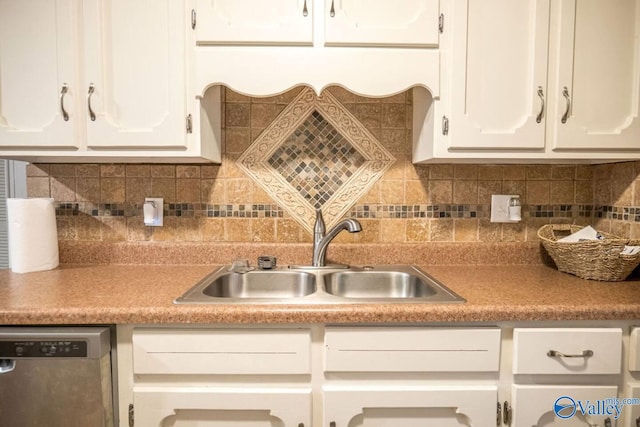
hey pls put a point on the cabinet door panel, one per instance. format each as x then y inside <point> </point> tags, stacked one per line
<point>254,22</point>
<point>632,412</point>
<point>37,57</point>
<point>498,63</point>
<point>363,22</point>
<point>598,62</point>
<point>134,57</point>
<point>374,406</point>
<point>533,405</point>
<point>219,407</point>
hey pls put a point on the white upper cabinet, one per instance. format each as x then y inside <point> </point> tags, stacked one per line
<point>254,22</point>
<point>499,65</point>
<point>134,63</point>
<point>596,76</point>
<point>548,80</point>
<point>38,78</point>
<point>109,80</point>
<point>373,47</point>
<point>366,23</point>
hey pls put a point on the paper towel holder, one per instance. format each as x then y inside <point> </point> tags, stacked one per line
<point>153,211</point>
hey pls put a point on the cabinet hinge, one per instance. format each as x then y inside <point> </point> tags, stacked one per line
<point>193,19</point>
<point>506,413</point>
<point>499,415</point>
<point>131,420</point>
<point>189,124</point>
<point>441,23</point>
<point>445,125</point>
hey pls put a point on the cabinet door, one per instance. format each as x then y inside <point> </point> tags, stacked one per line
<point>134,53</point>
<point>535,405</point>
<point>218,407</point>
<point>632,411</point>
<point>376,406</point>
<point>598,71</point>
<point>498,61</point>
<point>37,60</point>
<point>286,22</point>
<point>378,23</point>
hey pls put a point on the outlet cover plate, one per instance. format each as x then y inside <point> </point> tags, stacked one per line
<point>500,207</point>
<point>158,220</point>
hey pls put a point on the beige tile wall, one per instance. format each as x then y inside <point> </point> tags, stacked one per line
<point>107,198</point>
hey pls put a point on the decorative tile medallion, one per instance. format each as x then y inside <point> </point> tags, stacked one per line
<point>316,155</point>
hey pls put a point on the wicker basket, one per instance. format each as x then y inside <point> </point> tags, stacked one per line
<point>594,260</point>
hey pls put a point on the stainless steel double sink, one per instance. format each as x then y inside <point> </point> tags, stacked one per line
<point>320,285</point>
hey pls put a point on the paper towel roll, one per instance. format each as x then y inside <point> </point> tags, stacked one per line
<point>33,235</point>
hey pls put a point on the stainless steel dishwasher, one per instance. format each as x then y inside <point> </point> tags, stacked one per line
<point>56,376</point>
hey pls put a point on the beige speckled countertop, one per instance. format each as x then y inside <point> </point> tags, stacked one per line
<point>126,294</point>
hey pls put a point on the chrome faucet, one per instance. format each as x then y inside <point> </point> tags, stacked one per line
<point>321,240</point>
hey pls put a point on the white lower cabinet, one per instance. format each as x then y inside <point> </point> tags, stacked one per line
<point>632,412</point>
<point>384,376</point>
<point>217,377</point>
<point>547,365</point>
<point>381,376</point>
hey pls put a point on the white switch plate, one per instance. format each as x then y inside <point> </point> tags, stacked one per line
<point>500,208</point>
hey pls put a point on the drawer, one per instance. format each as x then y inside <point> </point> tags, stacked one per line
<point>218,351</point>
<point>634,350</point>
<point>577,351</point>
<point>379,349</point>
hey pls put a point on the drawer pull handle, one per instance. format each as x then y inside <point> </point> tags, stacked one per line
<point>554,353</point>
<point>92,115</point>
<point>565,93</point>
<point>63,92</point>
<point>541,113</point>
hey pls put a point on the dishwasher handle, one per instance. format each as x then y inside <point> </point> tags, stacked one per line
<point>7,365</point>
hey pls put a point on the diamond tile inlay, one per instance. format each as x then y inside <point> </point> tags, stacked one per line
<point>316,160</point>
<point>315,155</point>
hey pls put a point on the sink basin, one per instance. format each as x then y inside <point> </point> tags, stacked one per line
<point>388,283</point>
<point>257,284</point>
<point>377,284</point>
<point>320,285</point>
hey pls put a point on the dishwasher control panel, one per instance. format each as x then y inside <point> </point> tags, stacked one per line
<point>43,348</point>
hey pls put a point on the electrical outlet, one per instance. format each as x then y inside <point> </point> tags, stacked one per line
<point>500,208</point>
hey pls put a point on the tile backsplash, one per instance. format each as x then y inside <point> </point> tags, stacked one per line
<point>409,203</point>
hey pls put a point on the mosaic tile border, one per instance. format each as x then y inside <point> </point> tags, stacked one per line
<point>372,211</point>
<point>255,160</point>
<point>184,210</point>
<point>624,213</point>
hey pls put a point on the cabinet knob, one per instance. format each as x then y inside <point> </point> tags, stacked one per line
<point>305,11</point>
<point>332,13</point>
